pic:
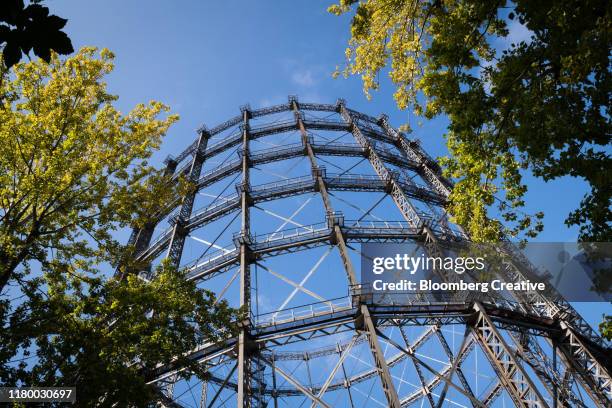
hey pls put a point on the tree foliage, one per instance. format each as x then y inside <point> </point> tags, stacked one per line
<point>73,171</point>
<point>541,103</point>
<point>106,337</point>
<point>605,327</point>
<point>24,29</point>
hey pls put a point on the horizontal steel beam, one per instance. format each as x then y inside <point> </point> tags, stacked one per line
<point>277,190</point>
<point>308,236</point>
<point>257,132</point>
<point>425,313</point>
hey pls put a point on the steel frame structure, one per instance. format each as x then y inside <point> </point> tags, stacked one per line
<point>512,336</point>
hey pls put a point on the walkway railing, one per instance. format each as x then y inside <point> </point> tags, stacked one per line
<point>313,310</point>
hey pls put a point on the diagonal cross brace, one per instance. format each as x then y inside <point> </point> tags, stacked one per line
<point>177,240</point>
<point>512,375</point>
<point>410,353</point>
<point>295,383</point>
<point>381,364</point>
<point>331,376</point>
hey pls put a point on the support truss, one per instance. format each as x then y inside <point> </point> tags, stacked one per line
<point>514,337</point>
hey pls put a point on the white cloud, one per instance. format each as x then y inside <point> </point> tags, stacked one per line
<point>312,96</point>
<point>303,78</point>
<point>264,302</point>
<point>274,100</point>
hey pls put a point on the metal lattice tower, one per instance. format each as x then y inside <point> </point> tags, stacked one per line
<point>284,194</point>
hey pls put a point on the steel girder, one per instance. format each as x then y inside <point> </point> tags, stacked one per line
<point>593,374</point>
<point>266,192</point>
<point>422,314</point>
<point>178,234</point>
<point>368,325</point>
<point>582,351</point>
<point>511,373</point>
<point>244,350</point>
<point>428,168</point>
<point>405,206</point>
<point>267,111</point>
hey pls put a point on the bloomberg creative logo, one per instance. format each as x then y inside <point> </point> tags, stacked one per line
<point>404,272</point>
<point>404,263</point>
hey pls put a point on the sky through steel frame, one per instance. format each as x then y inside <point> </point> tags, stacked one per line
<point>519,359</point>
<point>173,54</point>
<point>254,53</point>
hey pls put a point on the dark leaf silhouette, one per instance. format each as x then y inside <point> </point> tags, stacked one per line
<point>11,54</point>
<point>23,29</point>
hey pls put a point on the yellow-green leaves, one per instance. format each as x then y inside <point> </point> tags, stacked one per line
<point>606,327</point>
<point>541,102</point>
<point>106,336</point>
<point>381,31</point>
<point>72,167</point>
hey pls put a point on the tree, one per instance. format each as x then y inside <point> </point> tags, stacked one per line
<point>605,327</point>
<point>73,170</point>
<point>106,336</point>
<point>541,103</point>
<point>31,28</point>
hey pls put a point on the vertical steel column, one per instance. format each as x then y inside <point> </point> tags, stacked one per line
<point>274,389</point>
<point>379,358</point>
<point>405,206</point>
<point>318,174</point>
<point>594,376</point>
<point>141,237</point>
<point>428,169</point>
<point>596,380</point>
<point>177,240</point>
<point>203,394</point>
<point>409,212</point>
<point>244,360</point>
<point>530,351</point>
<point>168,388</point>
<point>511,374</point>
<point>591,369</point>
<point>430,174</point>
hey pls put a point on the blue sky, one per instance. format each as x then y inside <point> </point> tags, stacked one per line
<point>206,58</point>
